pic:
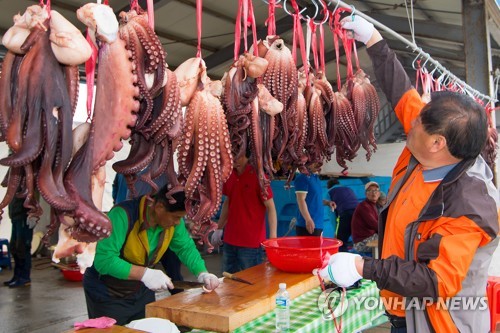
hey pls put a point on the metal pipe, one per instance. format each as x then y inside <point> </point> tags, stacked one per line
<point>471,91</point>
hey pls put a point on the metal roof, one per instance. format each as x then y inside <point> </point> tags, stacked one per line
<point>438,28</point>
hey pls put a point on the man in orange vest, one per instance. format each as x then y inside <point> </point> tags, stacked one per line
<point>439,229</point>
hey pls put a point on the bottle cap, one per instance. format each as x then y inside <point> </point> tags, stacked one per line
<point>282,285</point>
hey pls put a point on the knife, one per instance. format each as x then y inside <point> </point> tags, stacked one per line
<point>235,278</point>
<point>187,285</point>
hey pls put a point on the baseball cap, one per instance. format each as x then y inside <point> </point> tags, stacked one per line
<point>367,185</point>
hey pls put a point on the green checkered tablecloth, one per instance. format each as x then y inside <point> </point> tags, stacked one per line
<point>362,312</point>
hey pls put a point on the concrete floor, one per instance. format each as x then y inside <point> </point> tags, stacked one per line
<point>52,305</point>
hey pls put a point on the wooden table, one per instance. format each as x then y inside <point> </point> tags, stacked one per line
<point>113,329</point>
<point>233,303</point>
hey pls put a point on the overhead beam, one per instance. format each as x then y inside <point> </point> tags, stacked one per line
<point>165,34</point>
<point>208,11</point>
<point>157,4</point>
<point>181,40</point>
<point>60,4</point>
<point>476,45</point>
<point>226,53</point>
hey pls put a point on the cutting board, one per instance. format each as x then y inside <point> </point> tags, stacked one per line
<point>233,303</point>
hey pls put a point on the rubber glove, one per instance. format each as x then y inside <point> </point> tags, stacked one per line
<point>156,280</point>
<point>32,221</point>
<point>216,238</point>
<point>341,269</point>
<point>362,29</point>
<point>210,280</point>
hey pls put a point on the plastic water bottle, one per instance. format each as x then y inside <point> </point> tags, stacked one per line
<point>282,310</point>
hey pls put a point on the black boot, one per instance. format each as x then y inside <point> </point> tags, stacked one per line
<point>6,283</point>
<point>20,283</point>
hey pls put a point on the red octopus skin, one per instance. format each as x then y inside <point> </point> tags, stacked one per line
<point>115,102</point>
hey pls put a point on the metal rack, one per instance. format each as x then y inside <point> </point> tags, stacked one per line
<point>421,54</point>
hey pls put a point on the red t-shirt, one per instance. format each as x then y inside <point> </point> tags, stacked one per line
<point>246,219</point>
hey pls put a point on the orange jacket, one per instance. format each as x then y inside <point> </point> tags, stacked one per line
<point>436,237</point>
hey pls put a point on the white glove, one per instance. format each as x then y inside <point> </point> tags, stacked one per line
<point>156,280</point>
<point>363,30</point>
<point>216,238</point>
<point>32,221</point>
<point>210,280</point>
<point>341,269</point>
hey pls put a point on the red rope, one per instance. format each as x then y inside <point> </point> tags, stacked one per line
<point>298,35</point>
<point>245,22</point>
<point>199,11</point>
<point>314,44</point>
<point>237,31</point>
<point>251,21</point>
<point>89,74</point>
<point>134,5</point>
<point>151,14</point>
<point>338,325</point>
<point>322,49</point>
<point>46,4</point>
<point>271,18</point>
<point>334,27</point>
<point>245,17</point>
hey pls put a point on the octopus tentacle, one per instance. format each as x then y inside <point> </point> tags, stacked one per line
<point>5,92</point>
<point>31,202</point>
<point>200,153</point>
<point>13,181</point>
<point>90,224</point>
<point>169,122</point>
<point>141,154</point>
<point>148,56</point>
<point>72,75</point>
<point>117,110</point>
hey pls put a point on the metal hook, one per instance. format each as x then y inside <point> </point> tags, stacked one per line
<point>434,70</point>
<point>426,60</point>
<point>416,58</point>
<point>326,16</point>
<point>353,11</point>
<point>316,12</point>
<point>276,2</point>
<point>336,6</point>
<point>286,10</point>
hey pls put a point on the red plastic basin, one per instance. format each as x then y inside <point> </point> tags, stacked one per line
<point>299,254</point>
<point>72,273</point>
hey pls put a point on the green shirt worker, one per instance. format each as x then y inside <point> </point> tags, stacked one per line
<point>122,279</point>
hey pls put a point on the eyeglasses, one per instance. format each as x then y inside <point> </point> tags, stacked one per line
<point>372,191</point>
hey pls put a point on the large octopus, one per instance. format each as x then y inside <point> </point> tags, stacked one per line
<point>204,158</point>
<point>113,111</point>
<point>366,106</point>
<point>280,79</point>
<point>160,115</point>
<point>250,111</point>
<point>38,108</point>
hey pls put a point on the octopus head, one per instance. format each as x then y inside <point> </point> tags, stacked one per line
<point>101,20</point>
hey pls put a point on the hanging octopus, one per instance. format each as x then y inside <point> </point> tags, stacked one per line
<point>280,79</point>
<point>366,106</point>
<point>39,109</point>
<point>204,157</point>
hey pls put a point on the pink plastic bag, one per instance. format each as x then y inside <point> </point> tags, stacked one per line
<point>101,322</point>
